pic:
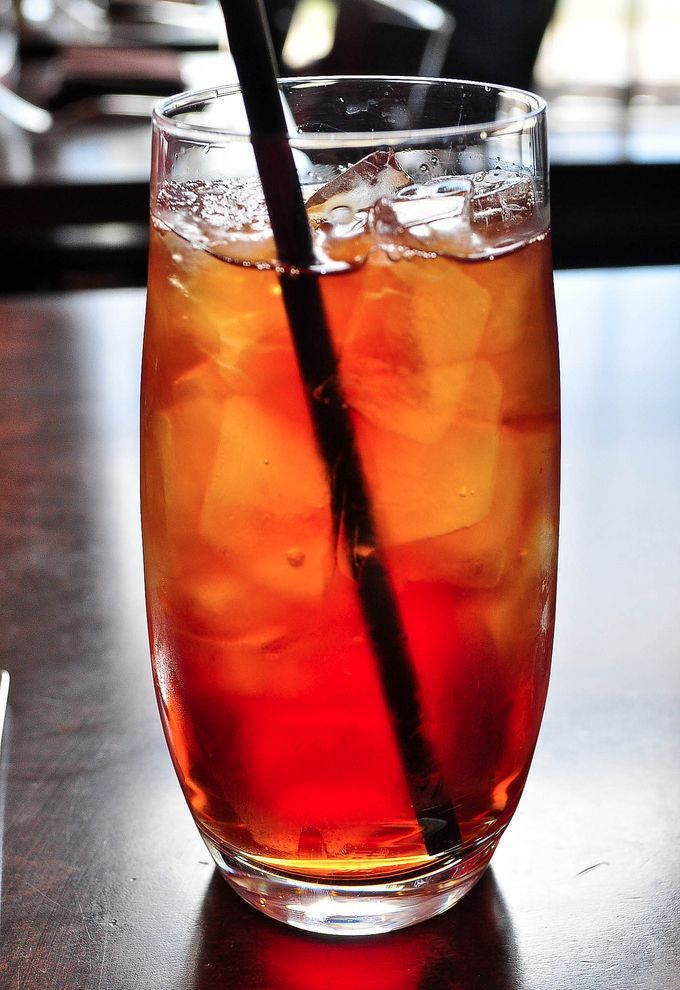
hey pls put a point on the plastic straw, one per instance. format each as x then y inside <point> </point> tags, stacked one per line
<point>255,62</point>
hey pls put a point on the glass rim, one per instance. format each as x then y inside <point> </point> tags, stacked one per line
<point>163,119</point>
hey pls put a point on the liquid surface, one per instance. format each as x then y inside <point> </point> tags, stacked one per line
<point>267,684</point>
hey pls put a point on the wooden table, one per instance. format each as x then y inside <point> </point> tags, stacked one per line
<point>105,883</point>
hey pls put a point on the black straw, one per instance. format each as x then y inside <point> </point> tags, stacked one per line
<point>255,62</point>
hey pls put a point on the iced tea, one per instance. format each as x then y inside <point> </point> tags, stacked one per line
<point>266,679</point>
<point>294,685</point>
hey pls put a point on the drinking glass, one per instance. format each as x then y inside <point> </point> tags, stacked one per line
<point>351,629</point>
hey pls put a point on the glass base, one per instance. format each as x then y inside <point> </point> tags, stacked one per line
<point>334,908</point>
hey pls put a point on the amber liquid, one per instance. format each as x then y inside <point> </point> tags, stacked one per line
<point>266,679</point>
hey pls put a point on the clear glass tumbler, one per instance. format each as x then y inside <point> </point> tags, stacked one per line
<point>351,579</point>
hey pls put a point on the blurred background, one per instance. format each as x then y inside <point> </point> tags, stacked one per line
<point>78,79</point>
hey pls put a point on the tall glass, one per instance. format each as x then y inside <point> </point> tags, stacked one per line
<point>428,204</point>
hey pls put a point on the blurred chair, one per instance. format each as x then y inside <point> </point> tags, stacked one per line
<point>74,203</point>
<point>339,37</point>
<point>74,178</point>
<point>13,110</point>
<point>496,41</point>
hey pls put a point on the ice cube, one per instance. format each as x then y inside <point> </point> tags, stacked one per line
<point>341,207</point>
<point>417,218</point>
<point>475,556</point>
<point>519,298</point>
<point>359,186</point>
<point>185,443</point>
<point>418,405</point>
<point>421,405</point>
<point>213,600</point>
<point>385,231</point>
<point>435,210</point>
<point>520,619</point>
<point>176,343</point>
<point>405,362</point>
<point>529,483</point>
<point>424,490</point>
<point>180,443</point>
<point>228,217</point>
<point>448,308</point>
<point>203,317</point>
<point>266,505</point>
<point>430,308</point>
<point>503,198</point>
<point>425,166</point>
<point>441,201</point>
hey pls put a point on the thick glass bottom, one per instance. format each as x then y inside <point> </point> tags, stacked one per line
<point>361,908</point>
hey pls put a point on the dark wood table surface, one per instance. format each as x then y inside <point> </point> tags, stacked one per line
<point>104,882</point>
